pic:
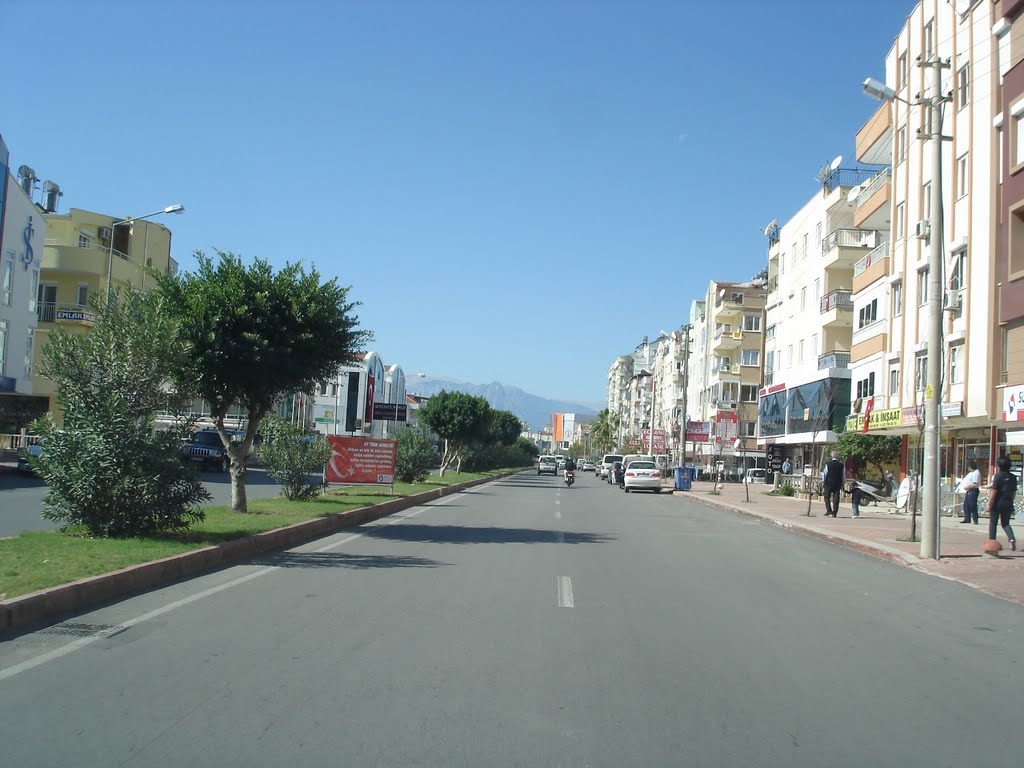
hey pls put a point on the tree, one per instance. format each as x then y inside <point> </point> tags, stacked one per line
<point>505,427</point>
<point>578,450</point>
<point>458,419</point>
<point>417,455</point>
<point>106,467</point>
<point>867,449</point>
<point>253,335</point>
<point>292,457</point>
<point>604,430</point>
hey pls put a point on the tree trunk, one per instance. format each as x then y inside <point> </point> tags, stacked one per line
<point>238,470</point>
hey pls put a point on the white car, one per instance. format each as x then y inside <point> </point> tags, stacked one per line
<point>606,463</point>
<point>587,466</point>
<point>642,475</point>
<point>754,475</point>
<point>547,465</point>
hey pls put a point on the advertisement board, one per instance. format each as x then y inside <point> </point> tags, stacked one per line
<point>727,425</point>
<point>361,460</point>
<point>389,412</point>
<point>698,431</point>
<point>1013,403</point>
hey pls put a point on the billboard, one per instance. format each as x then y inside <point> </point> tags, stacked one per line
<point>698,431</point>
<point>389,412</point>
<point>361,460</point>
<point>727,426</point>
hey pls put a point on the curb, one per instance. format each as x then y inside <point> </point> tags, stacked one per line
<point>45,604</point>
<point>879,551</point>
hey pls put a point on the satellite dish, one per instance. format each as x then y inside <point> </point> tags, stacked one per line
<point>835,163</point>
<point>824,173</point>
<point>854,194</point>
<point>903,494</point>
<point>857,404</point>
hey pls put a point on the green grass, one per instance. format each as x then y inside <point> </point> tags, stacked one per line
<point>35,561</point>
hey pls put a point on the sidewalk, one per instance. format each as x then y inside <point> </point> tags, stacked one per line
<point>877,532</point>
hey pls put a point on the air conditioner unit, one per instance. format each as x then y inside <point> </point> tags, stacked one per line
<point>923,229</point>
<point>954,301</point>
<point>105,233</point>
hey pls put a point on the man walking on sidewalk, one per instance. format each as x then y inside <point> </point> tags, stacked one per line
<point>832,479</point>
<point>969,486</point>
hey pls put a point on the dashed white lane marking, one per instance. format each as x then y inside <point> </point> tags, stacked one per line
<point>560,537</point>
<point>558,515</point>
<point>565,592</point>
<point>81,642</point>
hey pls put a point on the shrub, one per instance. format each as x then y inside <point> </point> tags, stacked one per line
<point>417,455</point>
<point>293,458</point>
<point>787,490</point>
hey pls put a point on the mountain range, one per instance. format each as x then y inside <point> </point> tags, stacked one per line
<point>533,410</point>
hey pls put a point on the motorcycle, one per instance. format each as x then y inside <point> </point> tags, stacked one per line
<point>866,493</point>
<point>570,478</point>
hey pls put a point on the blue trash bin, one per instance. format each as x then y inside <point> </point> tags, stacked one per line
<point>682,479</point>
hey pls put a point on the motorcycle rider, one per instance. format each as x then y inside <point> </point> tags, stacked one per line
<point>570,465</point>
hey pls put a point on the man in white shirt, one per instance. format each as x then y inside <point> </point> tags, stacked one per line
<point>969,487</point>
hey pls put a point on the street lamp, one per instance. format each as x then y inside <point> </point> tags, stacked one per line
<point>933,390</point>
<point>175,208</point>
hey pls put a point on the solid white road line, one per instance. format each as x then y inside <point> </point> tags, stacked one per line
<point>81,642</point>
<point>565,592</point>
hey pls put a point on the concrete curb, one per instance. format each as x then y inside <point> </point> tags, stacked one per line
<point>44,605</point>
<point>872,548</point>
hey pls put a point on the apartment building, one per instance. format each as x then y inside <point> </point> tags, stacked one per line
<point>809,320</point>
<point>1009,251</point>
<point>889,352</point>
<point>670,390</point>
<point>619,374</point>
<point>84,253</point>
<point>732,335</point>
<point>22,232</point>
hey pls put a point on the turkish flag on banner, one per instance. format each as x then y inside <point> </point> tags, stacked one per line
<point>867,414</point>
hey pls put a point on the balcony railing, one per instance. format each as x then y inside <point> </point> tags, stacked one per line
<point>837,300</point>
<point>850,238</point>
<point>769,378</point>
<point>874,256</point>
<point>846,177</point>
<point>874,184</point>
<point>773,284</point>
<point>88,245</point>
<point>833,360</point>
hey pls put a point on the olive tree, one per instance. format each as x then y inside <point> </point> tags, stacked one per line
<point>459,419</point>
<point>253,334</point>
<point>106,467</point>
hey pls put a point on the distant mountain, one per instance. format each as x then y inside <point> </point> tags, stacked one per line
<point>534,411</point>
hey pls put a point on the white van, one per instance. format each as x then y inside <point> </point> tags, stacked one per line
<point>606,463</point>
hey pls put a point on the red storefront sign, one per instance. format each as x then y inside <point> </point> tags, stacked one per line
<point>361,460</point>
<point>698,431</point>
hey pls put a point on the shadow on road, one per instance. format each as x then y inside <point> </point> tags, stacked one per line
<point>462,534</point>
<point>252,477</point>
<point>11,480</point>
<point>342,560</point>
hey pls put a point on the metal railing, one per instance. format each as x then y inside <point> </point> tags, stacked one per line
<point>833,360</point>
<point>769,378</point>
<point>837,300</point>
<point>875,183</point>
<point>850,238</point>
<point>89,245</point>
<point>846,177</point>
<point>773,284</point>
<point>873,257</point>
<point>47,311</point>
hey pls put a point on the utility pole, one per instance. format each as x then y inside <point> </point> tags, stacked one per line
<point>686,385</point>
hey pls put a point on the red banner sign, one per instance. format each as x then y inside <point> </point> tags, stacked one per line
<point>361,460</point>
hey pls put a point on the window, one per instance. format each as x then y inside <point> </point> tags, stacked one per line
<point>901,71</point>
<point>782,264</point>
<point>814,346</point>
<point>750,357</point>
<point>28,355</point>
<point>748,393</point>
<point>929,39</point>
<point>1018,140</point>
<point>748,429</point>
<point>901,220</point>
<point>751,322</point>
<point>3,346</point>
<point>803,247</point>
<point>334,389</point>
<point>800,351</point>
<point>956,371</point>
<point>769,332</point>
<point>897,299</point>
<point>961,175</point>
<point>83,240</point>
<point>926,201</point>
<point>922,287</point>
<point>769,361</point>
<point>817,288</point>
<point>7,279</point>
<point>920,372</point>
<point>868,314</point>
<point>323,389</point>
<point>82,296</point>
<point>789,356</point>
<point>963,79</point>
<point>817,236</point>
<point>866,387</point>
<point>33,292</point>
<point>803,298</point>
<point>901,144</point>
<point>958,272</point>
<point>894,381</point>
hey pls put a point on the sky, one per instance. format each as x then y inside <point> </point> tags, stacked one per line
<point>515,191</point>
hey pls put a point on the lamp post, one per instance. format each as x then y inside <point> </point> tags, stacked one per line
<point>176,208</point>
<point>933,390</point>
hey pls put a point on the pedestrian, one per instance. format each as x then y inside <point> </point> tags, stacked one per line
<point>969,487</point>
<point>1000,501</point>
<point>787,468</point>
<point>832,479</point>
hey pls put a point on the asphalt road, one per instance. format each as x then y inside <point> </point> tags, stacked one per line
<point>21,498</point>
<point>523,623</point>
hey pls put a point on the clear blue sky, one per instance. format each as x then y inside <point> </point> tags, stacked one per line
<point>516,191</point>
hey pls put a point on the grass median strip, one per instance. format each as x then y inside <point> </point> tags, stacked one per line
<point>34,561</point>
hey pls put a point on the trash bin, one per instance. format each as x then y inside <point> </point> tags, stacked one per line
<point>693,473</point>
<point>682,478</point>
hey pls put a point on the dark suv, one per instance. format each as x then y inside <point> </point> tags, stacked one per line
<point>206,449</point>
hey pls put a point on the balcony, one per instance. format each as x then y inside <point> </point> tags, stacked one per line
<point>872,267</point>
<point>872,202</point>
<point>874,139</point>
<point>65,314</point>
<point>843,247</point>
<point>837,309</point>
<point>773,284</point>
<point>727,339</point>
<point>833,360</point>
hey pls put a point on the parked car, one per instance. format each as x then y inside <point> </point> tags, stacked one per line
<point>642,475</point>
<point>615,473</point>
<point>24,467</point>
<point>206,449</point>
<point>755,475</point>
<point>547,465</point>
<point>629,458</point>
<point>587,466</point>
<point>606,462</point>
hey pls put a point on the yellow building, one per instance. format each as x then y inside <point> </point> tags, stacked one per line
<point>83,254</point>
